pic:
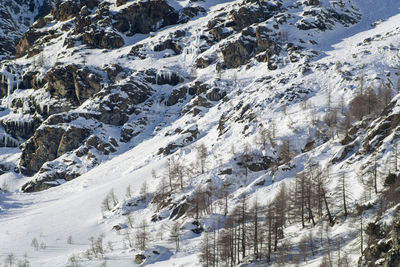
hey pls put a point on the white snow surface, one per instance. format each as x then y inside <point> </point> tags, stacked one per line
<point>73,208</point>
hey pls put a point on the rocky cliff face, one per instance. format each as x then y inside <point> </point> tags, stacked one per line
<point>86,63</point>
<point>263,87</point>
<point>16,17</point>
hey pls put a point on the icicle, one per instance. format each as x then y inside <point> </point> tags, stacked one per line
<point>24,108</point>
<point>158,75</point>
<point>9,92</point>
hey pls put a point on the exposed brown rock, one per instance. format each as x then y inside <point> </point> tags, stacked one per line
<point>73,82</point>
<point>139,258</point>
<point>100,145</point>
<point>121,2</point>
<point>169,44</point>
<point>114,71</point>
<point>69,9</point>
<point>204,62</point>
<point>117,102</point>
<point>103,39</point>
<point>237,53</point>
<point>176,95</point>
<point>47,144</point>
<point>215,94</point>
<point>66,10</point>
<point>26,42</point>
<point>141,17</point>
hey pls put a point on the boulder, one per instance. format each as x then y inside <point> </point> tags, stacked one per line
<point>45,8</point>
<point>40,23</point>
<point>117,227</point>
<point>67,10</point>
<point>74,9</point>
<point>26,42</point>
<point>117,102</point>
<point>60,80</point>
<point>325,19</point>
<point>253,41</point>
<point>144,17</point>
<point>264,43</point>
<point>86,83</point>
<point>140,258</point>
<point>198,227</point>
<point>82,24</point>
<point>169,44</point>
<point>215,94</point>
<point>204,62</point>
<point>103,39</point>
<point>260,163</point>
<point>40,148</point>
<point>48,143</point>
<point>313,2</point>
<point>189,12</point>
<point>387,125</point>
<point>226,172</point>
<point>71,139</point>
<point>237,53</point>
<point>176,95</point>
<point>179,211</point>
<point>219,32</point>
<point>188,136</point>
<point>198,88</point>
<point>73,82</point>
<point>68,118</point>
<point>91,3</point>
<point>114,71</point>
<point>130,130</point>
<point>30,80</point>
<point>121,2</point>
<point>102,146</point>
<point>221,26</point>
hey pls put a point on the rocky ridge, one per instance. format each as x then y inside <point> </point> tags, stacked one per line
<point>92,79</point>
<point>41,89</point>
<point>16,17</point>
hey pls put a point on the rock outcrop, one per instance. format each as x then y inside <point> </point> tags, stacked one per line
<point>48,143</point>
<point>117,102</point>
<point>73,82</point>
<point>26,42</point>
<point>103,39</point>
<point>55,96</point>
<point>144,17</point>
<point>251,42</point>
<point>15,19</point>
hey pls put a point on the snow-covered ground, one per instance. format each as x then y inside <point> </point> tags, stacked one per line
<point>72,211</point>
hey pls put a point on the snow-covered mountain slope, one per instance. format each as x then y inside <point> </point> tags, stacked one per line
<point>92,59</point>
<point>15,19</point>
<point>228,99</point>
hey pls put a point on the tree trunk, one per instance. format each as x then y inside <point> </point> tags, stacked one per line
<point>344,196</point>
<point>331,222</point>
